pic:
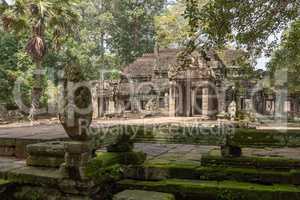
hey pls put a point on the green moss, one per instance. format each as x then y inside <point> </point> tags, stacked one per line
<point>188,189</point>
<point>35,176</point>
<point>110,164</point>
<point>159,171</point>
<point>271,138</point>
<point>4,182</point>
<point>251,162</point>
<point>44,161</point>
<point>107,159</point>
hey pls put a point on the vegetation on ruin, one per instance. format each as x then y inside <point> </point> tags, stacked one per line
<point>186,189</point>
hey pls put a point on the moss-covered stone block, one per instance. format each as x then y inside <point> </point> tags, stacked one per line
<point>228,190</point>
<point>35,176</point>
<point>159,171</point>
<point>36,193</point>
<point>213,159</point>
<point>106,159</point>
<point>48,149</point>
<point>142,195</point>
<point>261,138</point>
<point>44,161</point>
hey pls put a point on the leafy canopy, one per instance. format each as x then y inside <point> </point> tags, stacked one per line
<point>247,23</point>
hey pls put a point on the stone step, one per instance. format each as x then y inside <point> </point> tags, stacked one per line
<point>142,195</point>
<point>211,190</point>
<point>47,154</point>
<point>214,158</point>
<point>161,171</point>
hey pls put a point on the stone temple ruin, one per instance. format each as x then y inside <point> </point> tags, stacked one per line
<point>151,86</point>
<point>115,162</point>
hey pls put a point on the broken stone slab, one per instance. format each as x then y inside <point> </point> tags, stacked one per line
<point>48,154</point>
<point>35,176</point>
<point>142,195</point>
<point>36,192</point>
<point>44,161</point>
<point>49,149</point>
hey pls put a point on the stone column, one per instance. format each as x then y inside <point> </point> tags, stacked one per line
<point>77,155</point>
<point>172,99</point>
<point>221,100</point>
<point>95,102</point>
<point>111,106</point>
<point>95,107</point>
<point>188,97</point>
<point>193,101</point>
<point>205,101</point>
<point>135,105</point>
<point>75,182</point>
<point>101,106</point>
<point>166,99</point>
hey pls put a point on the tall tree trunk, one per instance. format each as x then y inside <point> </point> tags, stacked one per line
<point>36,92</point>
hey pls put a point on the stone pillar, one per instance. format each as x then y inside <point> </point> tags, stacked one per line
<point>95,104</point>
<point>193,101</point>
<point>95,109</point>
<point>111,106</point>
<point>205,102</point>
<point>101,106</point>
<point>221,100</point>
<point>280,115</point>
<point>135,105</point>
<point>166,99</point>
<point>188,111</point>
<point>172,99</point>
<point>74,182</point>
<point>77,155</point>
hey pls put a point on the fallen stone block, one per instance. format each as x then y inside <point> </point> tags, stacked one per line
<point>48,154</point>
<point>40,161</point>
<point>51,149</point>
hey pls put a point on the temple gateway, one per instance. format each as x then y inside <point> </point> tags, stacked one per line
<point>153,86</point>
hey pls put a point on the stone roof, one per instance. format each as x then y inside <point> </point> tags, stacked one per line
<point>144,66</point>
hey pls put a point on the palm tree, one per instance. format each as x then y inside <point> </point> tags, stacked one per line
<point>38,17</point>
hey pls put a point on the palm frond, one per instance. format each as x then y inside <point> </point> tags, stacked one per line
<point>36,48</point>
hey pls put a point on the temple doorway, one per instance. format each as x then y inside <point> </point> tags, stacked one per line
<point>198,105</point>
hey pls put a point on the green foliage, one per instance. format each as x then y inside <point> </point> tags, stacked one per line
<point>248,23</point>
<point>105,170</point>
<point>14,64</point>
<point>101,35</point>
<point>285,62</point>
<point>171,26</point>
<point>132,27</point>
